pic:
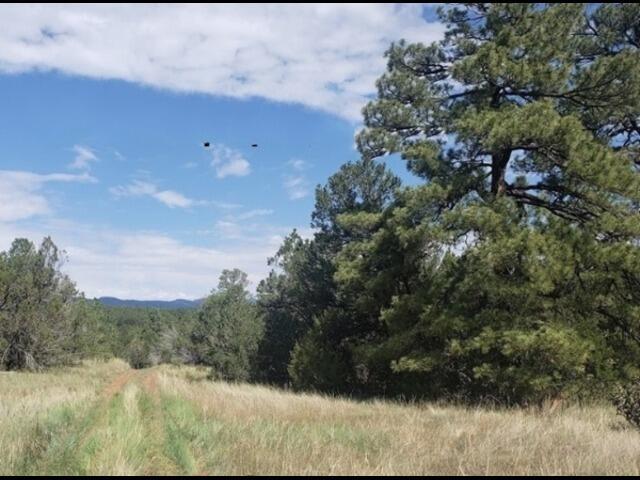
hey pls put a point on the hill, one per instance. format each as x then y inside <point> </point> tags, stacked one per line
<point>165,305</point>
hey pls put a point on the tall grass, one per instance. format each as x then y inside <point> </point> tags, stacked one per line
<point>105,419</point>
<point>248,430</point>
<point>35,407</point>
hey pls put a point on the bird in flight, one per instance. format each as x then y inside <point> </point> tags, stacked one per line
<point>208,144</point>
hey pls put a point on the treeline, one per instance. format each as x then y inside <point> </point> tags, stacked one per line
<point>509,271</point>
<point>45,322</point>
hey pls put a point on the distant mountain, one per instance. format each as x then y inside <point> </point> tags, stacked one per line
<point>167,305</point>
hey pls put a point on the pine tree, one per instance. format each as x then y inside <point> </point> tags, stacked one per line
<point>523,240</point>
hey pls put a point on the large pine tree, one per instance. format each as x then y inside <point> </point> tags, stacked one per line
<point>524,124</point>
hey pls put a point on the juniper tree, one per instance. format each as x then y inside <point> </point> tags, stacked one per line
<point>35,328</point>
<point>228,329</point>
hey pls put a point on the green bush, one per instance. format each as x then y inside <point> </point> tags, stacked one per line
<point>138,354</point>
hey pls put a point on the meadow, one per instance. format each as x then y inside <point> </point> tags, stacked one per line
<point>108,419</point>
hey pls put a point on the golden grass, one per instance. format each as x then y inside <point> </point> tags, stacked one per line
<point>256,430</point>
<point>105,419</point>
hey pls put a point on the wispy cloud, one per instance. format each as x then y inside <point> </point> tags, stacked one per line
<point>228,162</point>
<point>225,205</point>
<point>297,186</point>
<point>139,188</point>
<point>296,183</point>
<point>297,164</point>
<point>239,51</point>
<point>21,195</point>
<point>249,234</point>
<point>259,212</point>
<point>84,157</point>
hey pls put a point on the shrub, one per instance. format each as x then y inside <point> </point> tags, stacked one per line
<point>138,354</point>
<point>626,399</point>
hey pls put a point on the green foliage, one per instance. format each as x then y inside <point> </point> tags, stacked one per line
<point>302,291</point>
<point>317,365</point>
<point>164,334</point>
<point>347,205</point>
<point>297,289</point>
<point>35,330</point>
<point>138,354</point>
<point>92,335</point>
<point>44,322</point>
<point>228,329</point>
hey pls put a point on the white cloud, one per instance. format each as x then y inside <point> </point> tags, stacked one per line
<point>259,212</point>
<point>296,183</point>
<point>251,235</point>
<point>147,265</point>
<point>225,205</point>
<point>83,159</point>
<point>173,199</point>
<point>326,57</point>
<point>297,186</point>
<point>228,162</point>
<point>170,198</point>
<point>21,195</point>
<point>139,188</point>
<point>297,164</point>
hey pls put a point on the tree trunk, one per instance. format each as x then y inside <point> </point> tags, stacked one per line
<point>499,163</point>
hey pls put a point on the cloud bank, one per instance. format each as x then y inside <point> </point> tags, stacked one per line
<point>325,57</point>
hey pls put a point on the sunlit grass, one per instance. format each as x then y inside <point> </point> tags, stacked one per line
<point>105,419</point>
<point>256,430</point>
<point>36,406</point>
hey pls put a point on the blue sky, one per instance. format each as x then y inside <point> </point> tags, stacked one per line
<point>104,111</point>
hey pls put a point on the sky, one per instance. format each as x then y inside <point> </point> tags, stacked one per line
<point>104,111</point>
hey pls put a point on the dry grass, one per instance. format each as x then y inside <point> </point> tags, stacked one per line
<point>33,401</point>
<point>254,430</point>
<point>104,419</point>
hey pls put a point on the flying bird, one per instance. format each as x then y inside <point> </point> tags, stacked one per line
<point>208,144</point>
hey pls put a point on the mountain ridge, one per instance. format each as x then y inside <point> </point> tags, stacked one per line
<point>162,304</point>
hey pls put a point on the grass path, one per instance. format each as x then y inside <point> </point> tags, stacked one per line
<point>124,432</point>
<point>106,419</point>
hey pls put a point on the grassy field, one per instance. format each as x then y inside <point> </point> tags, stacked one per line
<point>106,419</point>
